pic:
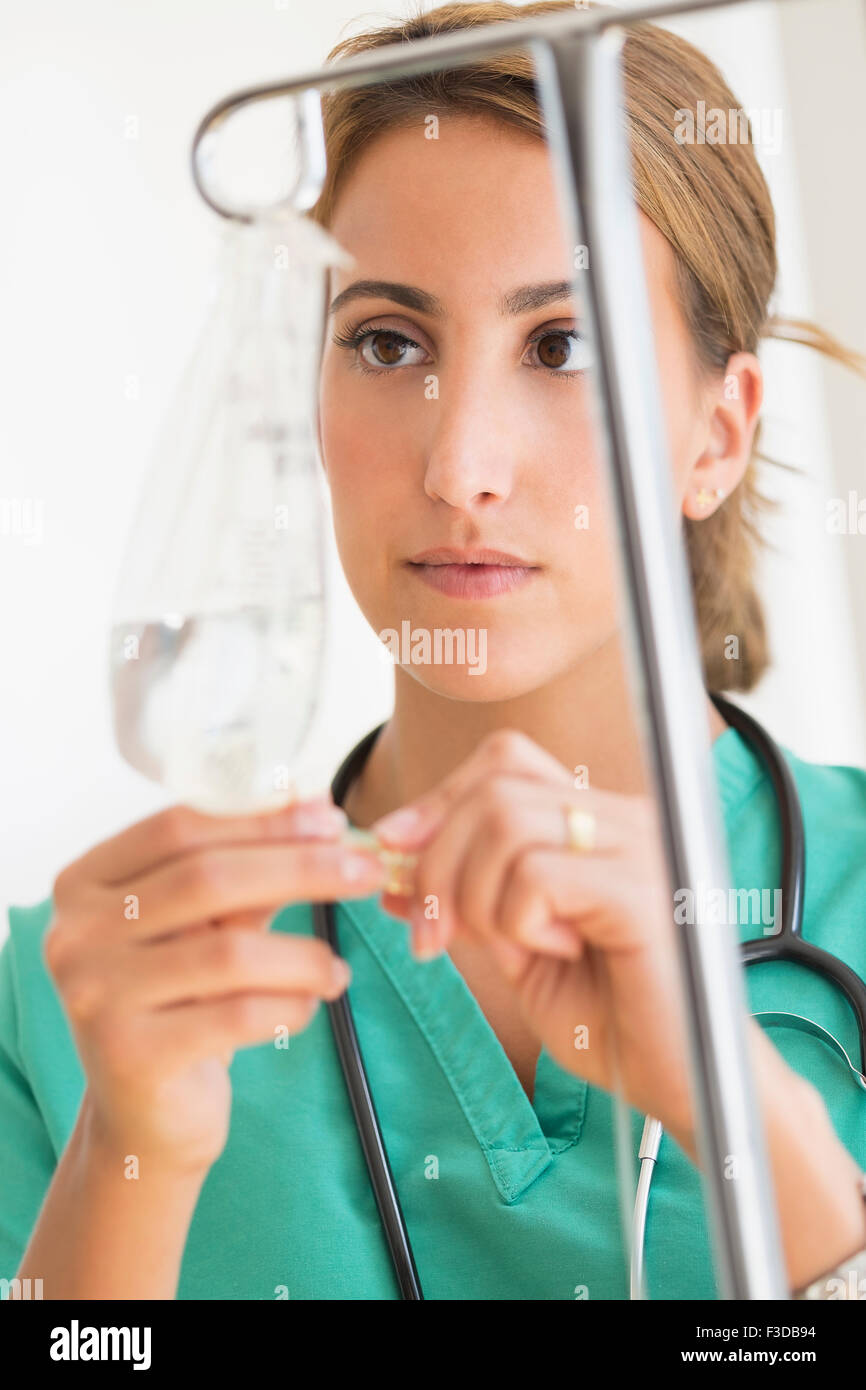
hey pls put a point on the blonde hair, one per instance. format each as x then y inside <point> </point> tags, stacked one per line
<point>710,201</point>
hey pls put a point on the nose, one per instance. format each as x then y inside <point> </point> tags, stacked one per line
<point>471,454</point>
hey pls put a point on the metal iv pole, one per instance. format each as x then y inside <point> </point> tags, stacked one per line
<point>578,70</point>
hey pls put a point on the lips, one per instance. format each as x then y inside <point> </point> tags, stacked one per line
<point>473,579</point>
<point>448,555</point>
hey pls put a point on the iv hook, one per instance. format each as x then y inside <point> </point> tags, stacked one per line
<point>311,143</point>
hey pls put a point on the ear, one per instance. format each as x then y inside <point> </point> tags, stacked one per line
<point>734,405</point>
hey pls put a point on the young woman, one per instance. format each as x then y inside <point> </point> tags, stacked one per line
<point>149,1147</point>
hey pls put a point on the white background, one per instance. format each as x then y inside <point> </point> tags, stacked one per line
<point>106,256</point>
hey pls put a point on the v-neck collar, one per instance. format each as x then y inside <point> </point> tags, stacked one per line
<point>506,1124</point>
<point>518,1137</point>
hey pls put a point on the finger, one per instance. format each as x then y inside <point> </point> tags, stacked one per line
<point>195,1032</point>
<point>503,751</point>
<point>479,837</point>
<point>513,960</point>
<point>395,904</point>
<point>527,919</point>
<point>258,919</point>
<point>179,829</point>
<point>467,861</point>
<point>233,961</point>
<point>215,881</point>
<point>519,815</point>
<point>545,889</point>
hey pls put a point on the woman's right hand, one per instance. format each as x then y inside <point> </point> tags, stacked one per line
<point>160,952</point>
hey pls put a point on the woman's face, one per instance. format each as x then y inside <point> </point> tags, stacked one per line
<point>478,432</point>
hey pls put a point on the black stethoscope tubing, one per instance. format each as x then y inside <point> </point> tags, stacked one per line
<point>355,1075</point>
<point>788,944</point>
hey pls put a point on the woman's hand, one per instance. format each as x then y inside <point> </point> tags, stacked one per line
<point>585,939</point>
<point>587,942</point>
<point>160,951</point>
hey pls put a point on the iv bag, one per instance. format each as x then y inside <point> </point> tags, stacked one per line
<point>219,613</point>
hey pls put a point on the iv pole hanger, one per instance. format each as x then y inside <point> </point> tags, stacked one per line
<point>427,55</point>
<point>578,72</point>
<point>310,142</point>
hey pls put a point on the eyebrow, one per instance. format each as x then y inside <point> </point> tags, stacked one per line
<point>518,301</point>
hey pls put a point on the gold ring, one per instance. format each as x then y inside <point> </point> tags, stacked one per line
<point>580,829</point>
<point>399,865</point>
<point>400,871</point>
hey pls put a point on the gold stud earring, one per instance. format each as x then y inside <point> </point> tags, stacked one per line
<point>705,499</point>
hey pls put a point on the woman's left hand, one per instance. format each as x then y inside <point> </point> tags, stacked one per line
<point>586,939</point>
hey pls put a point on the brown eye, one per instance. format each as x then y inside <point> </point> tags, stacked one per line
<point>392,350</point>
<point>560,352</point>
<point>553,349</point>
<point>388,347</point>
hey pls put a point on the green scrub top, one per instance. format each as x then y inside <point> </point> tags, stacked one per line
<point>503,1198</point>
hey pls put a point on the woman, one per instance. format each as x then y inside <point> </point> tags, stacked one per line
<point>455,417</point>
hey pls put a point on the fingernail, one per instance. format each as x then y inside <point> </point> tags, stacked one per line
<point>342,972</point>
<point>321,820</point>
<point>355,867</point>
<point>399,823</point>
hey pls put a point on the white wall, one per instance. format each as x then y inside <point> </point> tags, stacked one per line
<point>106,255</point>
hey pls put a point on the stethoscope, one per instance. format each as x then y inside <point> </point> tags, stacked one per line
<point>788,944</point>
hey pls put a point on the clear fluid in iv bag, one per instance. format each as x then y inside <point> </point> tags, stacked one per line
<point>216,707</point>
<point>219,615</point>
